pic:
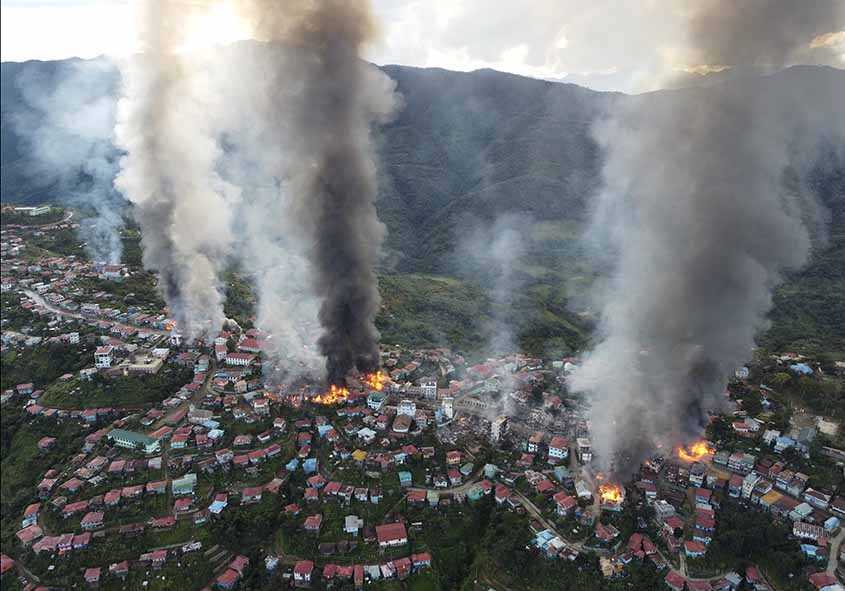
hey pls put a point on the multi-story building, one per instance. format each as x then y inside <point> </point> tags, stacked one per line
<point>498,428</point>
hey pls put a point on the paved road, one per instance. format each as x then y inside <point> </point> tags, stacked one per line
<point>39,300</point>
<point>64,220</point>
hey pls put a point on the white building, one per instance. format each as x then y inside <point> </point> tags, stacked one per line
<point>748,484</point>
<point>353,524</point>
<point>407,407</point>
<point>498,428</point>
<point>585,450</point>
<point>175,338</point>
<point>103,357</point>
<point>448,407</point>
<point>375,400</point>
<point>429,390</point>
<point>558,448</point>
<point>241,359</point>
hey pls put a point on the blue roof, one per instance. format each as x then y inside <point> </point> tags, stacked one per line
<point>292,465</point>
<point>310,465</point>
<point>405,476</point>
<point>801,368</point>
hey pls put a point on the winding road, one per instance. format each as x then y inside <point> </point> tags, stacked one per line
<point>40,301</point>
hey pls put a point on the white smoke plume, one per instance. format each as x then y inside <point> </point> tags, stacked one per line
<point>169,170</point>
<point>68,124</point>
<point>489,252</point>
<point>702,224</point>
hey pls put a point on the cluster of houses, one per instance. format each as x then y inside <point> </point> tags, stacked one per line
<point>305,572</point>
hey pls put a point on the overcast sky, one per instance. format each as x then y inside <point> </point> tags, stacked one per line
<point>626,45</point>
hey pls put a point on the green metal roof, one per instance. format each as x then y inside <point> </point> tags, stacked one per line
<point>132,437</point>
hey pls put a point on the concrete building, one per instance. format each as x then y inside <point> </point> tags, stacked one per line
<point>498,428</point>
<point>429,390</point>
<point>103,357</point>
<point>407,408</point>
<point>585,450</point>
<point>133,440</point>
<point>448,407</point>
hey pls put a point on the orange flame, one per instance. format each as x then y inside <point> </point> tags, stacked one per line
<point>696,451</point>
<point>334,395</point>
<point>376,380</point>
<point>611,493</point>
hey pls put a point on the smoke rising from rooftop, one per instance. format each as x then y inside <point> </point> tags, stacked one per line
<point>703,207</point>
<point>168,172</point>
<point>331,99</point>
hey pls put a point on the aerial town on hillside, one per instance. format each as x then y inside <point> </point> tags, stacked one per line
<point>150,462</point>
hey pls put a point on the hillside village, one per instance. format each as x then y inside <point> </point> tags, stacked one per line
<point>143,461</point>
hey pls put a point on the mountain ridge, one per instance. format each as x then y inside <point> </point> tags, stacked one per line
<point>468,148</point>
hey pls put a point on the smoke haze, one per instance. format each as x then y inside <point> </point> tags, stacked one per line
<point>69,124</point>
<point>701,223</point>
<point>169,174</point>
<point>331,100</point>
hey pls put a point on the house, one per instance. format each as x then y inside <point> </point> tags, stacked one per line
<point>156,558</point>
<point>565,504</point>
<point>302,572</point>
<point>133,440</point>
<point>807,531</point>
<point>558,449</point>
<point>92,576</point>
<point>585,453</point>
<point>534,441</point>
<point>92,520</point>
<point>239,359</point>
<point>694,549</point>
<point>313,523</point>
<point>741,462</point>
<point>817,499</point>
<point>103,357</point>
<point>29,534</point>
<point>605,533</point>
<point>391,534</point>
<point>824,582</point>
<point>420,561</point>
<point>251,495</point>
<point>352,524</point>
<point>228,579</point>
<point>119,569</point>
<point>184,485</point>
<point>407,408</point>
<point>748,484</point>
<point>30,514</point>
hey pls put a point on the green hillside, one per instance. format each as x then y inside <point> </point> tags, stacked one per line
<point>465,150</point>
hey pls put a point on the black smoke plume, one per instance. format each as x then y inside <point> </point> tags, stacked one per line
<point>330,101</point>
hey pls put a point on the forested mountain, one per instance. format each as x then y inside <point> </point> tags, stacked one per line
<point>466,151</point>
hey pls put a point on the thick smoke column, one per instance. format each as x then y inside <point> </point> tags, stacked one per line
<point>702,224</point>
<point>169,173</point>
<point>332,175</point>
<point>69,124</point>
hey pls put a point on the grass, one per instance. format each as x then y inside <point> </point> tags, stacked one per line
<point>120,391</point>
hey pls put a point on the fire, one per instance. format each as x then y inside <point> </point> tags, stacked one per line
<point>696,451</point>
<point>334,395</point>
<point>611,493</point>
<point>376,380</point>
